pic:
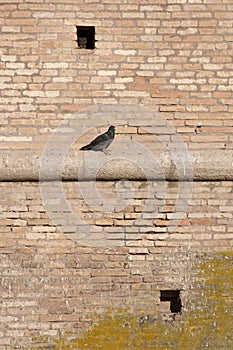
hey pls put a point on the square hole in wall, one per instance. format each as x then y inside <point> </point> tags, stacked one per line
<point>86,37</point>
<point>172,296</point>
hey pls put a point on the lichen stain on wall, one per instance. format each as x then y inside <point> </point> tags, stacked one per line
<point>206,321</point>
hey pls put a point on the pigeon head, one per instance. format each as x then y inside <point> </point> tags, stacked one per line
<point>111,131</point>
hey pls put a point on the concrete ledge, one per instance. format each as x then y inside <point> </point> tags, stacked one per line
<point>86,166</point>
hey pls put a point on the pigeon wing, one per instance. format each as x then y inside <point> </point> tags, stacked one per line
<point>99,139</point>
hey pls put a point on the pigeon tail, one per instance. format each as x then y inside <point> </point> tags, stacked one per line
<point>86,148</point>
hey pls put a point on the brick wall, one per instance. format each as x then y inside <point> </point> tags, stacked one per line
<point>51,284</point>
<point>173,56</point>
<point>76,281</point>
<point>206,221</point>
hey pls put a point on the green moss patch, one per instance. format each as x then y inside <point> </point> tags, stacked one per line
<point>206,321</point>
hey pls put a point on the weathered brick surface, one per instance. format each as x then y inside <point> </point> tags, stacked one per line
<point>175,58</point>
<point>52,284</point>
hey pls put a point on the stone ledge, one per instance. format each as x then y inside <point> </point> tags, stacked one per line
<point>209,165</point>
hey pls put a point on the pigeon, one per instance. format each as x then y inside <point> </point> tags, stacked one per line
<point>101,142</point>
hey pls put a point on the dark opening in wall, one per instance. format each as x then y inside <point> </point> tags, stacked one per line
<point>86,37</point>
<point>174,297</point>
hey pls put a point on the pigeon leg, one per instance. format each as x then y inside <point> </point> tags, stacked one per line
<point>106,152</point>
